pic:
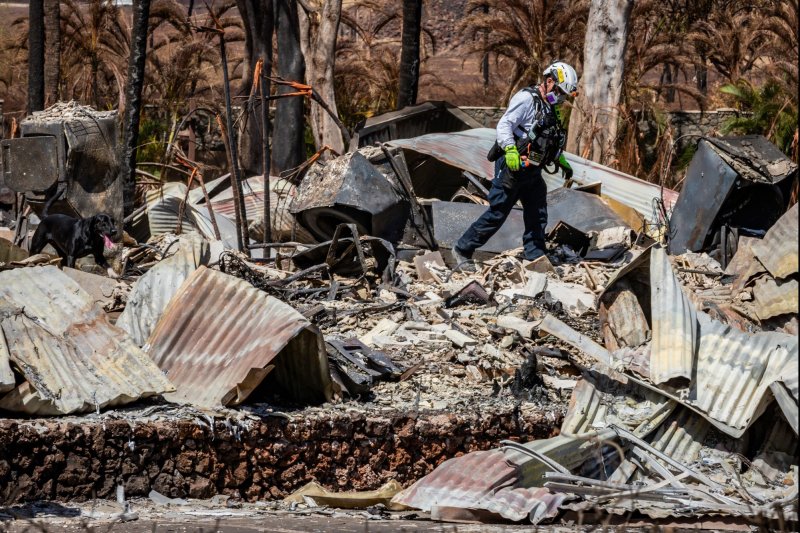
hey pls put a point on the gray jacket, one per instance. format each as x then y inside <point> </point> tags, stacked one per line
<point>524,110</point>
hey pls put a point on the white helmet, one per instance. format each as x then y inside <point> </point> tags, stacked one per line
<point>566,79</point>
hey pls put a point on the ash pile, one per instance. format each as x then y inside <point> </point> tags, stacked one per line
<point>662,334</point>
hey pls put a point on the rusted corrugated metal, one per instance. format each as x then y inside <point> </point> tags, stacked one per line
<point>467,150</point>
<point>284,226</point>
<point>485,480</point>
<point>773,298</point>
<point>675,325</point>
<point>219,336</point>
<point>596,406</point>
<point>74,360</point>
<point>152,292</point>
<point>778,250</point>
<point>507,483</point>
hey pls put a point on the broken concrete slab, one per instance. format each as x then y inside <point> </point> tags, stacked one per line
<point>576,299</point>
<point>459,339</point>
<point>423,262</point>
<point>534,286</point>
<point>384,328</point>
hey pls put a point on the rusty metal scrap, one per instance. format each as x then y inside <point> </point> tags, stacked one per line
<point>73,359</point>
<point>778,250</point>
<point>219,357</point>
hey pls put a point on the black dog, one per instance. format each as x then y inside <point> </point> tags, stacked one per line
<point>76,237</point>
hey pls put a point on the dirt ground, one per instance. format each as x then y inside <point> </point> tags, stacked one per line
<point>206,517</point>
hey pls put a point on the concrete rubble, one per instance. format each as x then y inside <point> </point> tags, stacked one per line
<point>607,375</point>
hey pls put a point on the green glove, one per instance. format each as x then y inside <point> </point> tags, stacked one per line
<point>565,166</point>
<point>512,158</point>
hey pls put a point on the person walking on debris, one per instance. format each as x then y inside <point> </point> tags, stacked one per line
<point>530,136</point>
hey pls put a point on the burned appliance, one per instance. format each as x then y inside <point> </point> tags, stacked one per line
<point>351,190</point>
<point>734,186</point>
<point>67,150</point>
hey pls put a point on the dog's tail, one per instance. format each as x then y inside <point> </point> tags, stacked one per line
<point>58,194</point>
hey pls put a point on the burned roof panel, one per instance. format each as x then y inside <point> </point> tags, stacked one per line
<point>73,358</point>
<point>467,150</point>
<point>778,250</point>
<point>152,292</point>
<point>674,325</point>
<point>219,335</point>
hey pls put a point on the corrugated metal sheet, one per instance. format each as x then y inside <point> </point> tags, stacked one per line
<point>485,480</point>
<point>152,292</point>
<point>467,150</point>
<point>162,213</point>
<point>507,482</point>
<point>219,335</point>
<point>73,358</point>
<point>778,250</point>
<point>734,371</point>
<point>282,221</point>
<point>681,436</point>
<point>773,298</point>
<point>674,326</point>
<point>596,406</point>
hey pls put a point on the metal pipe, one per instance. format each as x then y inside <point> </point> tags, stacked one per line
<point>238,194</point>
<point>264,87</point>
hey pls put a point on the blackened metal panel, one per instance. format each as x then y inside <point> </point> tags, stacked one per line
<point>428,117</point>
<point>581,210</point>
<point>350,189</point>
<point>452,219</point>
<point>30,163</point>
<point>708,182</point>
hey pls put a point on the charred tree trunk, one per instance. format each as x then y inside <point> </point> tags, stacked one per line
<point>52,40</point>
<point>133,90</point>
<point>35,55</point>
<point>409,53</point>
<point>288,147</point>
<point>485,62</point>
<point>319,49</point>
<point>593,121</point>
<point>258,18</point>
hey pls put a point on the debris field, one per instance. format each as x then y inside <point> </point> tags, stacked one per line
<point>646,367</point>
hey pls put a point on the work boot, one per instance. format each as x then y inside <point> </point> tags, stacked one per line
<point>462,262</point>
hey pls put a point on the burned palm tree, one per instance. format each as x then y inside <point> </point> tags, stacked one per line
<point>35,55</point>
<point>409,53</point>
<point>367,76</point>
<point>524,36</point>
<point>96,47</point>
<point>731,37</point>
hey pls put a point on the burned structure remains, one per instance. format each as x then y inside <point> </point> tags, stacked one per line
<point>645,368</point>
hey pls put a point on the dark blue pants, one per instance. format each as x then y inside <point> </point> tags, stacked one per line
<point>525,185</point>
